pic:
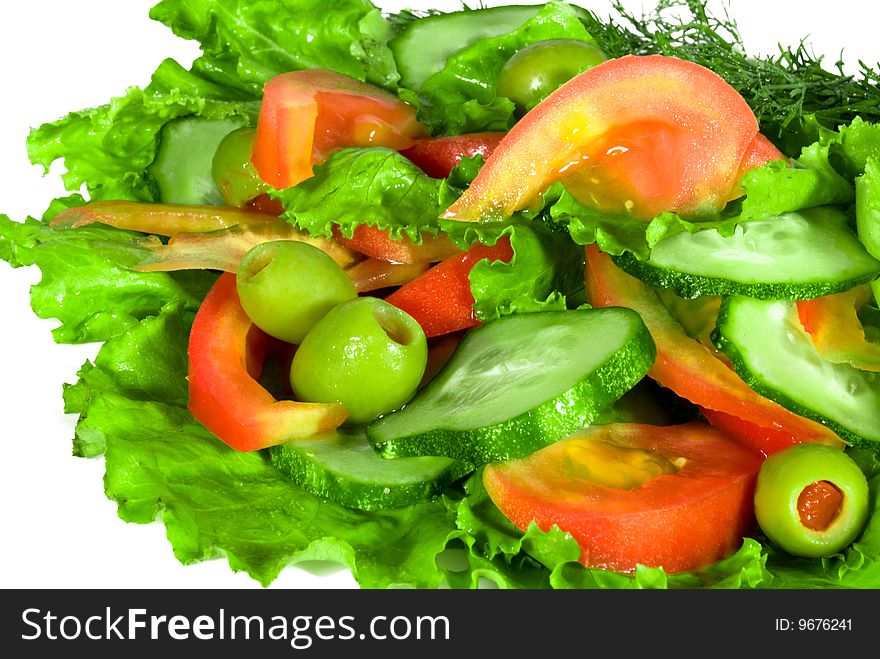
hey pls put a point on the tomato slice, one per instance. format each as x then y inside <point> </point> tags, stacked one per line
<point>637,134</point>
<point>760,152</point>
<point>677,497</point>
<point>437,156</point>
<point>834,326</point>
<point>689,368</point>
<point>378,244</point>
<point>306,115</point>
<point>226,354</point>
<point>441,300</point>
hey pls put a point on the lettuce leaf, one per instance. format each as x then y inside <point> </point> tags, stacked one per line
<point>373,186</point>
<point>247,42</point>
<point>613,233</point>
<point>811,181</point>
<point>545,272</point>
<point>84,282</point>
<point>109,148</point>
<point>215,501</point>
<point>853,146</point>
<point>868,212</point>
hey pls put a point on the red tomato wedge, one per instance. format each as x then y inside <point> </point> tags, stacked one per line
<point>760,152</point>
<point>686,366</point>
<point>226,354</point>
<point>637,134</point>
<point>306,115</point>
<point>437,156</point>
<point>378,244</point>
<point>676,497</point>
<point>836,331</point>
<point>441,300</point>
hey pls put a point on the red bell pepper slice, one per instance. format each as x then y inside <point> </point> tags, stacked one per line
<point>689,368</point>
<point>834,326</point>
<point>306,115</point>
<point>441,300</point>
<point>760,438</point>
<point>437,156</point>
<point>226,354</point>
<point>378,244</point>
<point>160,219</point>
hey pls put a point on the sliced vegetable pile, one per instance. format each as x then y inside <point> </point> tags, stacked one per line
<point>515,283</point>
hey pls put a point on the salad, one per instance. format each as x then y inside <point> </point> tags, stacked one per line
<point>542,275</point>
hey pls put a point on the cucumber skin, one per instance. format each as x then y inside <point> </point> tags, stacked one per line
<point>352,494</point>
<point>412,77</point>
<point>549,422</point>
<point>689,286</point>
<point>739,365</point>
<point>168,178</point>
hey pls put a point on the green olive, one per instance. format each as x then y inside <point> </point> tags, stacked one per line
<point>537,70</point>
<point>787,498</point>
<point>232,171</point>
<point>286,286</point>
<point>366,354</point>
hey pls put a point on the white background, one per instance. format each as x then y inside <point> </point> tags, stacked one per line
<point>57,529</point>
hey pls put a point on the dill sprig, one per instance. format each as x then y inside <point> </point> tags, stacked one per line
<point>784,90</point>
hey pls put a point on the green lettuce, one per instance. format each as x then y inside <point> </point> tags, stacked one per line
<point>373,186</point>
<point>614,233</point>
<point>868,211</point>
<point>109,148</point>
<point>247,42</point>
<point>215,501</point>
<point>810,181</point>
<point>545,272</point>
<point>85,284</point>
<point>853,145</point>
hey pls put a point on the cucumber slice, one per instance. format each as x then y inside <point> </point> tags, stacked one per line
<point>422,48</point>
<point>794,256</point>
<point>520,383</point>
<point>344,468</point>
<point>182,168</point>
<point>771,351</point>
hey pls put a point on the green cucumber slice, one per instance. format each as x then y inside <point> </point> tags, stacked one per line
<point>182,167</point>
<point>520,383</point>
<point>794,256</point>
<point>770,350</point>
<point>421,49</point>
<point>344,468</point>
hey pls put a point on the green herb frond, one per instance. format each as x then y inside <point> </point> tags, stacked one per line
<point>783,89</point>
